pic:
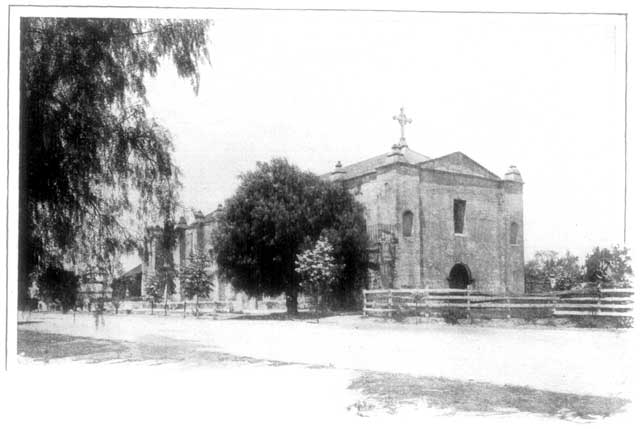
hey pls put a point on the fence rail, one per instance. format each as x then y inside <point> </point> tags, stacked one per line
<point>590,301</point>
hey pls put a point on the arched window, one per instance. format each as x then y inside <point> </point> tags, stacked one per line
<point>407,223</point>
<point>513,233</point>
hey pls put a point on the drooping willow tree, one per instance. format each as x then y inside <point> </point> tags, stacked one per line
<point>89,154</point>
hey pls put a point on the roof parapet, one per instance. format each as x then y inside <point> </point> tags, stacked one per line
<point>338,172</point>
<point>513,175</point>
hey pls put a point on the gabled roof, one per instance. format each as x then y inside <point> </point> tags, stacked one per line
<point>210,216</point>
<point>370,165</point>
<point>132,272</point>
<point>458,162</point>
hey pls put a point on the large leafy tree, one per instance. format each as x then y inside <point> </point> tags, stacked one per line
<point>89,155</point>
<point>275,211</point>
<point>62,287</point>
<point>341,219</point>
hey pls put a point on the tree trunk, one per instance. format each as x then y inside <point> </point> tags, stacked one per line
<point>292,300</point>
<point>26,260</point>
<point>317,303</point>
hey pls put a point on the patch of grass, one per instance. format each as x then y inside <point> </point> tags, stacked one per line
<point>391,390</point>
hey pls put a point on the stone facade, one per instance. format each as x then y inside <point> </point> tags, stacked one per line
<point>438,223</point>
<point>192,238</point>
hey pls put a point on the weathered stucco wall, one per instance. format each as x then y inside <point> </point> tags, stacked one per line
<point>515,254</point>
<point>424,258</point>
<point>478,247</point>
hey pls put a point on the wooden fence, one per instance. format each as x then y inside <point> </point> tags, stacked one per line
<point>590,301</point>
<point>178,307</point>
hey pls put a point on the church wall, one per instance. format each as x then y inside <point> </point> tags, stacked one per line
<point>425,258</point>
<point>515,248</point>
<point>459,163</point>
<point>479,246</point>
<point>408,247</point>
<point>376,194</point>
<point>393,191</point>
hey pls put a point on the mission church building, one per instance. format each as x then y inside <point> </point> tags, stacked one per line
<point>432,223</point>
<point>438,223</point>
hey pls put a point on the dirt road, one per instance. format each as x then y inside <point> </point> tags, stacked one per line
<point>594,362</point>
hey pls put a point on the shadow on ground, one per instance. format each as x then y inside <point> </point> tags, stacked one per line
<point>43,346</point>
<point>380,391</point>
<point>389,391</point>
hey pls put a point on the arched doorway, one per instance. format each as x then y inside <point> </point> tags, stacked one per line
<point>459,277</point>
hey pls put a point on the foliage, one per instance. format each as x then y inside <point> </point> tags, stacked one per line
<point>602,322</point>
<point>601,265</point>
<point>609,265</point>
<point>317,270</point>
<point>57,285</point>
<point>344,225</point>
<point>194,278</point>
<point>89,155</point>
<point>546,265</point>
<point>276,209</point>
<point>154,289</point>
<point>119,288</point>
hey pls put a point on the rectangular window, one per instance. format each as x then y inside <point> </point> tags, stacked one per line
<point>459,207</point>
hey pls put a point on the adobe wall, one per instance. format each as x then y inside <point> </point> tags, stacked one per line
<point>408,198</point>
<point>425,258</point>
<point>479,246</point>
<point>515,251</point>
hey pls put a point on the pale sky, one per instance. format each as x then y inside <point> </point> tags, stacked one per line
<point>542,92</point>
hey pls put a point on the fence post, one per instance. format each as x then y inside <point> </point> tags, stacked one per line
<point>468,304</point>
<point>389,304</point>
<point>426,303</point>
<point>508,306</point>
<point>364,302</point>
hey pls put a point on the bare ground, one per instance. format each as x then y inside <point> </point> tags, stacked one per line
<point>371,391</point>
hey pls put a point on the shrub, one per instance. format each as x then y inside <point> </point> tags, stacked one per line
<point>452,316</point>
<point>535,314</point>
<point>399,315</point>
<point>603,322</point>
<point>59,286</point>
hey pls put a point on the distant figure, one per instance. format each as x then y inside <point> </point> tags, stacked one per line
<point>99,312</point>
